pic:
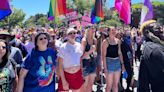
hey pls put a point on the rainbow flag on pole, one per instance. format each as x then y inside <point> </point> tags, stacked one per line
<point>4,9</point>
<point>56,8</point>
<point>147,11</point>
<point>97,13</point>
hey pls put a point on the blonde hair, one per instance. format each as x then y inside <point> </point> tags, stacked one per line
<point>146,24</point>
<point>86,34</point>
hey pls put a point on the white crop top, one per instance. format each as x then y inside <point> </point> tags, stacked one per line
<point>70,53</point>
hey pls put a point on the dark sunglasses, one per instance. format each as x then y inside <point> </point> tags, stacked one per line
<point>72,33</point>
<point>3,47</point>
<point>3,37</point>
<point>42,38</point>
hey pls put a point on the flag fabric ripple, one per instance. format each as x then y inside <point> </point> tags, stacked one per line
<point>4,9</point>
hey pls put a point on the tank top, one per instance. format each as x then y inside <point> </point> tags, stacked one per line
<point>87,47</point>
<point>112,51</point>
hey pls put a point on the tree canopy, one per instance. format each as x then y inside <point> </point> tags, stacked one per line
<point>15,19</point>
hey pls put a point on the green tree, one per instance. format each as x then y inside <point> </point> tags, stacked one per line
<point>159,11</point>
<point>41,20</point>
<point>83,5</point>
<point>33,21</point>
<point>80,5</point>
<point>15,19</point>
<point>112,22</point>
<point>29,22</point>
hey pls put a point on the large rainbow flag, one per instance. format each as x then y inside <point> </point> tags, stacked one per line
<point>56,8</point>
<point>4,9</point>
<point>97,13</point>
<point>147,11</point>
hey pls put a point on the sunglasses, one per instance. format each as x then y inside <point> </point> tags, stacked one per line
<point>72,33</point>
<point>42,38</point>
<point>3,37</point>
<point>3,47</point>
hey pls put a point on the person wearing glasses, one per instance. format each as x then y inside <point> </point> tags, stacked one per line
<point>15,53</point>
<point>112,60</point>
<point>69,56</point>
<point>38,70</point>
<point>7,69</point>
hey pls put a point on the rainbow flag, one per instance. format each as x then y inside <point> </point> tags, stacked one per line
<point>4,9</point>
<point>97,13</point>
<point>147,11</point>
<point>56,8</point>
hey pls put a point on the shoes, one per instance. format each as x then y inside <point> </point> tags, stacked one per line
<point>99,83</point>
<point>128,90</point>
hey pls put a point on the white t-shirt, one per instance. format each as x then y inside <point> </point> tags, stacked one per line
<point>71,54</point>
<point>58,43</point>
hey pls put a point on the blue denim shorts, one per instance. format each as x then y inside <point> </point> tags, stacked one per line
<point>113,65</point>
<point>89,67</point>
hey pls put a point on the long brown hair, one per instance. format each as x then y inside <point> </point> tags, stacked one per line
<point>6,56</point>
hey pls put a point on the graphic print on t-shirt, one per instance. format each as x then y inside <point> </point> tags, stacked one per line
<point>46,71</point>
<point>4,80</point>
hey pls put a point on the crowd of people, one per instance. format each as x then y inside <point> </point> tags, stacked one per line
<point>35,59</point>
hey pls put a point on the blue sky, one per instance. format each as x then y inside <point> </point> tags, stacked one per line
<point>32,7</point>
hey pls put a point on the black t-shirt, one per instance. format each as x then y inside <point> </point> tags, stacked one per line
<point>126,52</point>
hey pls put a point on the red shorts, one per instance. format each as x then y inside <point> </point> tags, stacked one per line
<point>75,80</point>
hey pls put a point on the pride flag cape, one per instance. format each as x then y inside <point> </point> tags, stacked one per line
<point>147,11</point>
<point>97,13</point>
<point>4,9</point>
<point>56,8</point>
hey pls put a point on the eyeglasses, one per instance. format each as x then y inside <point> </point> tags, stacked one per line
<point>72,33</point>
<point>3,47</point>
<point>42,38</point>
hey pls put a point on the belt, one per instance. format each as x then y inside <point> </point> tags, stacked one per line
<point>113,58</point>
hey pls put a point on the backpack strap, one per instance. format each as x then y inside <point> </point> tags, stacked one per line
<point>14,63</point>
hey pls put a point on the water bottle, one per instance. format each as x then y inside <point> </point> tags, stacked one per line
<point>124,75</point>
